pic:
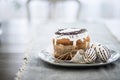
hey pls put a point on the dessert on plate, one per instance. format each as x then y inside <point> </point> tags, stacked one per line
<point>68,41</point>
<point>73,44</point>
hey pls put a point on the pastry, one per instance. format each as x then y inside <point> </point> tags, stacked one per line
<point>90,55</point>
<point>102,52</point>
<point>67,41</point>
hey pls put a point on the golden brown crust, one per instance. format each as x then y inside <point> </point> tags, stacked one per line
<point>83,44</point>
<point>64,41</point>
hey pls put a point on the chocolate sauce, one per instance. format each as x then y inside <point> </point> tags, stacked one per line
<point>59,32</point>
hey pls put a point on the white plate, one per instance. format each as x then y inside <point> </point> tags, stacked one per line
<point>47,56</point>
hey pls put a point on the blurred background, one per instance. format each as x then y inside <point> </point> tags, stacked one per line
<point>18,16</point>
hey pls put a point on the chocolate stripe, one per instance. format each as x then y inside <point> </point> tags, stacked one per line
<point>101,55</point>
<point>95,49</point>
<point>91,45</point>
<point>99,44</point>
<point>107,50</point>
<point>106,56</point>
<point>87,51</point>
<point>90,53</point>
<point>93,56</point>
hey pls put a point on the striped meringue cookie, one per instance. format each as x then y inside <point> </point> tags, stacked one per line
<point>90,55</point>
<point>103,53</point>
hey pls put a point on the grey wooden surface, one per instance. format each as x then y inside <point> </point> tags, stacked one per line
<point>12,46</point>
<point>42,37</point>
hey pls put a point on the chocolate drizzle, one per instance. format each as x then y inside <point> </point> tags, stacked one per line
<point>59,32</point>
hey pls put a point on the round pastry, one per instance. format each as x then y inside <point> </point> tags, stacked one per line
<point>102,52</point>
<point>89,56</point>
<point>67,41</point>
